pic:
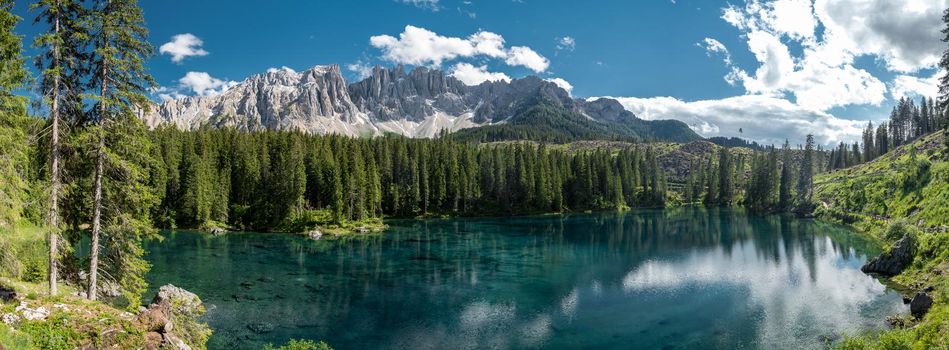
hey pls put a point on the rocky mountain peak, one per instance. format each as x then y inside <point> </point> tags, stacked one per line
<point>418,103</point>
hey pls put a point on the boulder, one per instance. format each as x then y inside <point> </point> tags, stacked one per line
<point>7,294</point>
<point>893,262</point>
<point>178,300</point>
<point>920,304</point>
<point>171,304</point>
<point>314,235</point>
<point>217,231</point>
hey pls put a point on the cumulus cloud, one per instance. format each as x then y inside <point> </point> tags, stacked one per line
<point>474,75</point>
<point>420,46</point>
<point>905,35</point>
<point>425,4</point>
<point>204,84</point>
<point>524,56</point>
<point>910,86</point>
<point>566,43</point>
<point>183,46</point>
<point>563,84</point>
<point>764,119</point>
<point>902,35</point>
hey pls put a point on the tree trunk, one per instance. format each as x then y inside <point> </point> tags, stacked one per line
<point>54,174</point>
<point>97,196</point>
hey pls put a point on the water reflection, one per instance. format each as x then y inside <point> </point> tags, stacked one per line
<point>686,277</point>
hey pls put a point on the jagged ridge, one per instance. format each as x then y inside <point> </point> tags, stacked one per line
<point>420,103</point>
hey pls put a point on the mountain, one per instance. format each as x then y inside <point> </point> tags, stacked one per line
<point>419,103</point>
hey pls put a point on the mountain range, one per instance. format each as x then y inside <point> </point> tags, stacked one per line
<point>420,103</point>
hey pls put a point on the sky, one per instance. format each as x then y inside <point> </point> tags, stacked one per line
<point>773,69</point>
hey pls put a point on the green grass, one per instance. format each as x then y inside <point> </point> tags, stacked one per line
<point>23,253</point>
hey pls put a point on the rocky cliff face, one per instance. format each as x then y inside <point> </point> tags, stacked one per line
<point>316,100</point>
<point>420,103</point>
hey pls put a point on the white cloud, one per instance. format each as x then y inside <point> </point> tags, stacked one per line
<point>420,46</point>
<point>824,76</point>
<point>281,69</point>
<point>765,119</point>
<point>907,85</point>
<point>488,44</point>
<point>713,46</point>
<point>566,43</point>
<point>905,35</point>
<point>204,84</point>
<point>472,75</point>
<point>563,84</point>
<point>524,56</point>
<point>183,46</point>
<point>362,70</point>
<point>165,93</point>
<point>425,4</point>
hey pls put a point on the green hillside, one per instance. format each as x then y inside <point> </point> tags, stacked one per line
<point>548,122</point>
<point>903,191</point>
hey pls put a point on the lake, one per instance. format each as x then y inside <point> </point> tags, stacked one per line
<point>652,279</point>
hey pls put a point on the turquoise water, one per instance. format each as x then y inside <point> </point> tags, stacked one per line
<point>651,279</point>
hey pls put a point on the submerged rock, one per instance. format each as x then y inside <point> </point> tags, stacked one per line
<point>893,262</point>
<point>920,304</point>
<point>261,327</point>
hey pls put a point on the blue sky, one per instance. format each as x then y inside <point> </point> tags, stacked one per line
<point>772,66</point>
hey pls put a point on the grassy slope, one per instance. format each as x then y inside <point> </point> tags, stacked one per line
<point>896,187</point>
<point>73,321</point>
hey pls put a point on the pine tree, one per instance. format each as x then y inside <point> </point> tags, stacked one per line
<point>13,140</point>
<point>805,184</point>
<point>726,183</point>
<point>60,63</point>
<point>784,190</point>
<point>121,47</point>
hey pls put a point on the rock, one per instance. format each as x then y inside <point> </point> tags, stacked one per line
<point>361,230</point>
<point>896,321</point>
<point>217,231</point>
<point>40,313</point>
<point>182,301</point>
<point>920,304</point>
<point>10,318</point>
<point>261,327</point>
<point>153,319</point>
<point>153,340</point>
<point>893,262</point>
<point>314,235</point>
<point>7,294</point>
<point>173,342</point>
<point>171,304</point>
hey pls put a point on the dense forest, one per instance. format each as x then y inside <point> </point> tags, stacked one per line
<point>270,180</point>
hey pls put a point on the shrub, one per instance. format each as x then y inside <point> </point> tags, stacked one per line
<point>295,344</point>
